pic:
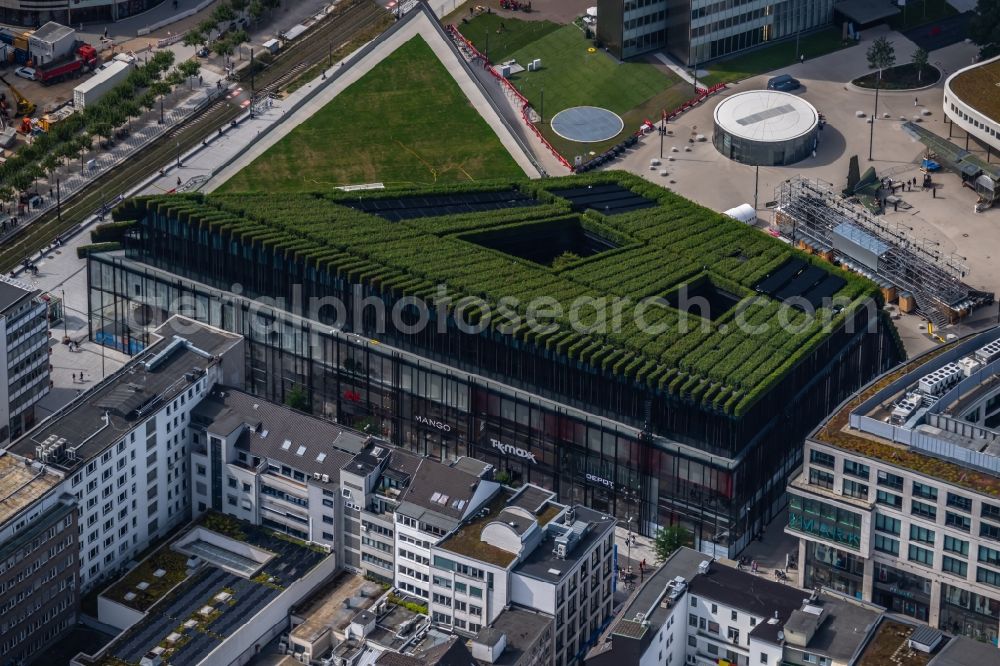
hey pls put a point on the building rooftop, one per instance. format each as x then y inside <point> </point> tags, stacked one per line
<point>977,86</point>
<point>766,115</point>
<point>963,651</point>
<point>98,418</point>
<point>52,32</point>
<point>21,483</point>
<point>188,600</point>
<point>842,629</point>
<point>544,564</point>
<point>279,433</point>
<point>860,424</point>
<point>12,291</point>
<point>522,629</point>
<point>723,260</point>
<point>625,639</point>
<point>889,645</point>
<point>752,594</point>
<point>329,610</point>
<point>440,489</point>
<point>467,539</point>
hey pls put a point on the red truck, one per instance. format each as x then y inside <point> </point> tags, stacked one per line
<point>83,59</point>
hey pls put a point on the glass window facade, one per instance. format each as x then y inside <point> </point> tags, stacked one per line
<point>901,592</point>
<point>824,520</point>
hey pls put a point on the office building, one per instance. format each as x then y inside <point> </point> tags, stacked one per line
<point>692,611</point>
<point>659,431</point>
<point>696,31</point>
<point>897,499</point>
<point>33,13</point>
<point>24,356</point>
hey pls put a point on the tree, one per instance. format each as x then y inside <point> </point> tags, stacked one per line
<point>298,399</point>
<point>190,69</point>
<point>193,38</point>
<point>984,28</point>
<point>223,47</point>
<point>206,27</point>
<point>50,163</point>
<point>669,539</point>
<point>223,13</point>
<point>919,60</point>
<point>881,55</point>
<point>238,5</point>
<point>256,9</point>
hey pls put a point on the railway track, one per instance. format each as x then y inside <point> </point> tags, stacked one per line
<point>312,48</point>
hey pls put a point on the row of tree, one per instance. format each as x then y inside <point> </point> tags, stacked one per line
<point>226,42</point>
<point>74,136</point>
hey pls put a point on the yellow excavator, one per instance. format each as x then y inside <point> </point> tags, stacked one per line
<point>25,107</point>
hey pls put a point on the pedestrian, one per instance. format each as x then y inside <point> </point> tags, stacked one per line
<point>915,102</point>
<point>802,58</point>
<point>895,206</point>
<point>200,79</point>
<point>105,32</point>
<point>178,181</point>
<point>934,192</point>
<point>74,378</point>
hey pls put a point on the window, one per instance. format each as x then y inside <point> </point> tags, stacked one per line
<point>887,524</point>
<point>889,499</point>
<point>991,511</point>
<point>890,480</point>
<point>885,544</point>
<point>855,489</point>
<point>818,477</point>
<point>987,576</point>
<point>821,458</point>
<point>857,469</point>
<point>921,555</point>
<point>989,556</point>
<point>925,491</point>
<point>733,634</point>
<point>953,545</point>
<point>692,619</point>
<point>952,565</point>
<point>734,616</point>
<point>763,657</point>
<point>923,509</point>
<point>957,521</point>
<point>232,482</point>
<point>959,502</point>
<point>989,531</point>
<point>921,534</point>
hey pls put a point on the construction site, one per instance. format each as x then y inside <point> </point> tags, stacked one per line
<point>912,271</point>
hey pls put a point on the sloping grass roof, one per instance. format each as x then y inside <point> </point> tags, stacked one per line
<point>725,364</point>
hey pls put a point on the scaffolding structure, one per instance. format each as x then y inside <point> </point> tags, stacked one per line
<point>809,211</point>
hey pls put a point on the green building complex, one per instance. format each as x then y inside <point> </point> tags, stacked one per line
<point>595,335</point>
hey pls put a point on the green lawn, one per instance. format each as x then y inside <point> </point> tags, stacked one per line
<point>499,43</point>
<point>919,12</point>
<point>404,122</point>
<point>771,58</point>
<point>573,76</point>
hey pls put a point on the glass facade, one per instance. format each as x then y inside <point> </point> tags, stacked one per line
<point>826,521</point>
<point>969,614</point>
<point>764,153</point>
<point>901,592</point>
<point>837,569</point>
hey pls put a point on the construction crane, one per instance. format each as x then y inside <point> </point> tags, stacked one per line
<point>25,107</point>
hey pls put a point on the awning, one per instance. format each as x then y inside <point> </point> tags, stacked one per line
<point>866,12</point>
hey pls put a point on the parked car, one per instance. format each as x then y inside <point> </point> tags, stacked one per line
<point>784,83</point>
<point>203,52</point>
<point>25,73</point>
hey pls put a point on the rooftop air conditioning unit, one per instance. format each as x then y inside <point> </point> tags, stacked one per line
<point>703,567</point>
<point>316,475</point>
<point>326,478</point>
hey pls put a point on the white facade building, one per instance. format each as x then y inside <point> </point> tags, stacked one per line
<point>122,449</point>
<point>965,110</point>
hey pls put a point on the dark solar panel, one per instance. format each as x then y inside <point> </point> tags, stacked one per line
<point>825,289</point>
<point>610,199</point>
<point>801,283</point>
<point>778,278</point>
<point>413,207</point>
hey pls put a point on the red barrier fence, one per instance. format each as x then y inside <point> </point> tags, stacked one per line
<point>525,104</point>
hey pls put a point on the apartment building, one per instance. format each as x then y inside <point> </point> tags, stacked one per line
<point>122,449</point>
<point>897,498</point>
<point>693,611</point>
<point>696,31</point>
<point>24,356</point>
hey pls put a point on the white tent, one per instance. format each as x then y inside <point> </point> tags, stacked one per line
<point>743,213</point>
<point>592,11</point>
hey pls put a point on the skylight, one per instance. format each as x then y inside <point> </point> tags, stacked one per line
<point>287,444</point>
<point>300,451</point>
<point>321,457</point>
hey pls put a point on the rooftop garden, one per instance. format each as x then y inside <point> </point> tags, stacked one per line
<point>148,582</point>
<point>889,646</point>
<point>467,539</point>
<point>977,88</point>
<point>837,432</point>
<point>724,363</point>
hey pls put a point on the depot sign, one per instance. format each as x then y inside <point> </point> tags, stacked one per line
<point>440,425</point>
<point>593,478</point>
<point>511,450</point>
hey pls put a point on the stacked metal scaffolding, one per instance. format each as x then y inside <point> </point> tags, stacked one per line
<point>810,210</point>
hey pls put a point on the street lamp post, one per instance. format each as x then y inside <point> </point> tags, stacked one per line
<point>178,144</point>
<point>58,202</point>
<point>161,109</point>
<point>871,134</point>
<point>628,543</point>
<point>64,315</point>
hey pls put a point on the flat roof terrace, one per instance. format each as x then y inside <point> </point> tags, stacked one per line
<point>21,483</point>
